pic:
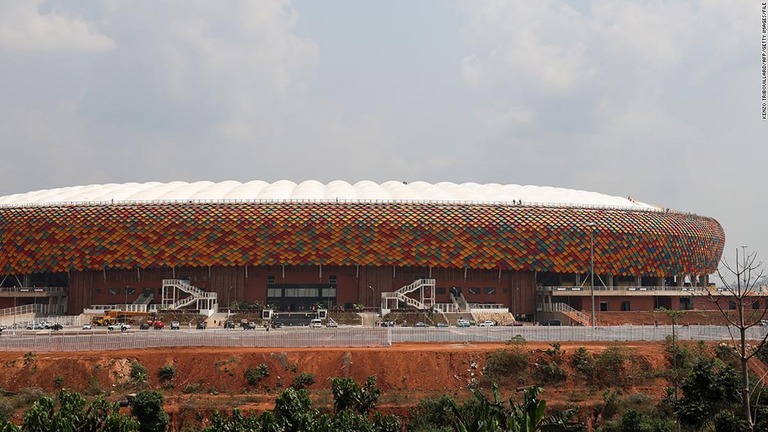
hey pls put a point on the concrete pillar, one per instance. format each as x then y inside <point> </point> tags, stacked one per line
<point>680,279</point>
<point>659,281</point>
<point>609,281</point>
<point>638,281</point>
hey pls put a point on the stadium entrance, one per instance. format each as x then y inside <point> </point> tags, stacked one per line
<point>300,297</point>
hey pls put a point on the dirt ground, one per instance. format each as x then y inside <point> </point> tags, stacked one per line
<point>209,379</point>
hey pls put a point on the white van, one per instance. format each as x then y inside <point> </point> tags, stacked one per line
<point>315,323</point>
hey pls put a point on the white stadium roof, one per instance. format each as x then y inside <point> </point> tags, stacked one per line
<point>312,190</point>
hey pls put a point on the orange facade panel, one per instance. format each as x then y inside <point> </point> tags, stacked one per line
<point>510,237</point>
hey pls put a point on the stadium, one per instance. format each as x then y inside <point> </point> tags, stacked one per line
<point>298,246</point>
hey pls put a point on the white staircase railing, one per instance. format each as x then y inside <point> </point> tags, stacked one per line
<point>426,289</point>
<point>570,312</point>
<point>144,299</point>
<point>171,300</point>
<point>460,302</point>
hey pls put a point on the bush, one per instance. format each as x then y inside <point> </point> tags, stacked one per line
<point>511,364</point>
<point>619,368</point>
<point>548,368</point>
<point>27,395</point>
<point>303,380</point>
<point>147,407</point>
<point>584,363</point>
<point>254,374</point>
<point>191,388</point>
<point>138,373</point>
<point>6,410</point>
<point>167,373</point>
<point>432,415</point>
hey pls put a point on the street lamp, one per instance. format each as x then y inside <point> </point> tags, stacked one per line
<point>373,300</point>
<point>229,303</point>
<point>591,226</point>
<point>373,295</point>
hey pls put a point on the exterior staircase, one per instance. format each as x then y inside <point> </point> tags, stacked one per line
<point>426,301</point>
<point>576,316</point>
<point>460,302</point>
<point>203,300</point>
<point>144,299</point>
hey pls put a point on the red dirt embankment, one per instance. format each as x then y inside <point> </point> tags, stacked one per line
<point>210,379</point>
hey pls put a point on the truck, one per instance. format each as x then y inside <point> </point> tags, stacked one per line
<point>113,316</point>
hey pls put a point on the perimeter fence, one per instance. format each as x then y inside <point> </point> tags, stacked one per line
<point>102,340</point>
<point>567,333</point>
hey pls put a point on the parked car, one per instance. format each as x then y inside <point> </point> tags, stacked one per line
<point>3,327</point>
<point>316,323</point>
<point>487,323</point>
<point>202,325</point>
<point>277,324</point>
<point>144,326</point>
<point>229,324</point>
<point>441,324</point>
<point>250,326</point>
<point>552,322</point>
<point>87,326</point>
<point>331,323</point>
<point>387,323</point>
<point>175,325</point>
<point>121,326</point>
<point>421,324</point>
<point>462,323</point>
<point>56,327</point>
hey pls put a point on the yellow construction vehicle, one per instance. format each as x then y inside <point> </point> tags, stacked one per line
<point>103,320</point>
<point>114,316</point>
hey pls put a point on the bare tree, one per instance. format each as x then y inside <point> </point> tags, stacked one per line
<point>737,300</point>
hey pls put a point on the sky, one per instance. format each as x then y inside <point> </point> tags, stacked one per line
<point>657,100</point>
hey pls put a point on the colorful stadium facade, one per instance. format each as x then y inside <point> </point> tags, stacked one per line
<point>297,245</point>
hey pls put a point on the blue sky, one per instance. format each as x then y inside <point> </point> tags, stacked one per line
<point>655,100</point>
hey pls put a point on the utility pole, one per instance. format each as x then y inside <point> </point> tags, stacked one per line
<point>591,226</point>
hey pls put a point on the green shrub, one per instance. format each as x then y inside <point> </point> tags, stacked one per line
<point>510,365</point>
<point>147,407</point>
<point>167,373</point>
<point>619,368</point>
<point>6,410</point>
<point>254,374</point>
<point>191,388</point>
<point>27,395</point>
<point>432,414</point>
<point>584,363</point>
<point>548,367</point>
<point>94,387</point>
<point>303,380</point>
<point>138,373</point>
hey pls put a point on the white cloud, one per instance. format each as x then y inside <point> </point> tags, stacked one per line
<point>24,28</point>
<point>496,121</point>
<point>540,43</point>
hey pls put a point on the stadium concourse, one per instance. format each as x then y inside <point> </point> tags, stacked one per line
<point>458,250</point>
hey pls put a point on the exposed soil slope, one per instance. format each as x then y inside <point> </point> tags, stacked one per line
<point>214,378</point>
